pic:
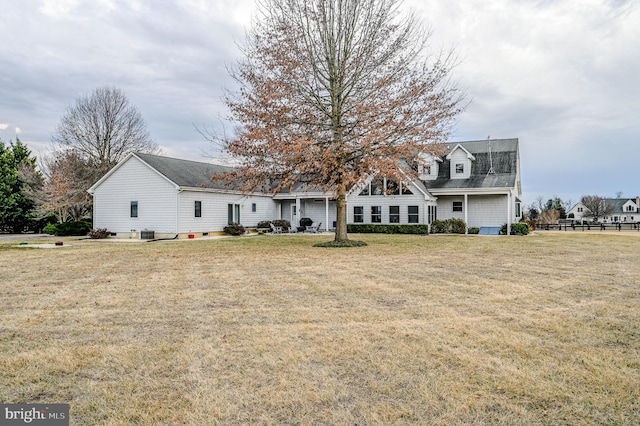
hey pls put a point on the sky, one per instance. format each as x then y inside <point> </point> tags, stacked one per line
<point>562,76</point>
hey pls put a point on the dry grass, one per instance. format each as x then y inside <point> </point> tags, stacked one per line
<point>268,330</point>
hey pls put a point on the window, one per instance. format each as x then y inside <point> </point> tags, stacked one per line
<point>358,214</point>
<point>405,190</point>
<point>426,169</point>
<point>413,216</point>
<point>394,214</point>
<point>376,214</point>
<point>518,210</point>
<point>393,188</point>
<point>365,191</point>
<point>459,168</point>
<point>254,208</point>
<point>579,209</point>
<point>134,209</point>
<point>377,186</point>
<point>198,209</point>
<point>233,213</point>
<point>457,206</point>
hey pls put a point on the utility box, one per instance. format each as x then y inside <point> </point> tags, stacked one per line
<point>147,235</point>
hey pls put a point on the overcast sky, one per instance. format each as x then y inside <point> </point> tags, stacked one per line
<point>563,76</point>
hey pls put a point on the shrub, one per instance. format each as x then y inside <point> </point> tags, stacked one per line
<point>516,229</point>
<point>374,228</point>
<point>76,228</point>
<point>438,227</point>
<point>99,234</point>
<point>234,229</point>
<point>474,231</point>
<point>65,229</point>
<point>285,224</point>
<point>449,226</point>
<point>264,224</point>
<point>457,226</point>
<point>50,229</point>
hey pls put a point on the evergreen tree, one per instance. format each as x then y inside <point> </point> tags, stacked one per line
<point>16,205</point>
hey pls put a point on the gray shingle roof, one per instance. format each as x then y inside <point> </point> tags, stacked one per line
<point>185,173</point>
<point>503,158</point>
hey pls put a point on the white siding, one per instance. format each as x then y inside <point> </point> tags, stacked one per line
<point>215,211</point>
<point>134,181</point>
<point>460,157</point>
<point>488,210</point>
<point>483,210</point>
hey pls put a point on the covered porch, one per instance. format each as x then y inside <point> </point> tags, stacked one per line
<point>317,206</point>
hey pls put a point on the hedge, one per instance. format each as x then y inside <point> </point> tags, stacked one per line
<point>375,228</point>
<point>520,228</point>
<point>448,226</point>
<point>65,229</point>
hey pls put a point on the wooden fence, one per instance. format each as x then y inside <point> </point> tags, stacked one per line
<point>631,226</point>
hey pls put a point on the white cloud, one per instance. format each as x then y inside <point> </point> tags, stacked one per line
<point>3,126</point>
<point>58,9</point>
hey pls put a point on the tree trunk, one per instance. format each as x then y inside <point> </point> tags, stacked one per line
<point>341,214</point>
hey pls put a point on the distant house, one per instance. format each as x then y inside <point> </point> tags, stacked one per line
<point>476,181</point>
<point>621,210</point>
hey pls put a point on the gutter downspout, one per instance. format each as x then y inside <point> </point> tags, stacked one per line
<point>466,213</point>
<point>178,212</point>
<point>509,212</point>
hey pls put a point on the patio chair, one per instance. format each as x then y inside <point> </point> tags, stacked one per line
<point>276,229</point>
<point>293,229</point>
<point>313,228</point>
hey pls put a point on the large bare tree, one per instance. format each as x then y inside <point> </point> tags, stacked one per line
<point>102,128</point>
<point>331,91</point>
<point>93,135</point>
<point>597,206</point>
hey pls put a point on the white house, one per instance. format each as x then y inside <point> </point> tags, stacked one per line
<point>477,181</point>
<point>171,197</point>
<point>621,210</point>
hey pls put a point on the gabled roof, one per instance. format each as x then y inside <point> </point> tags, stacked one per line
<point>501,155</point>
<point>459,146</point>
<point>618,204</point>
<point>182,173</point>
<point>186,173</point>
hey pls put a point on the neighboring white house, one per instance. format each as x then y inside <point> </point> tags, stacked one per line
<point>476,181</point>
<point>621,210</point>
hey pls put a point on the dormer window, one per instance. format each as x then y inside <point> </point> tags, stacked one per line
<point>428,166</point>
<point>460,159</point>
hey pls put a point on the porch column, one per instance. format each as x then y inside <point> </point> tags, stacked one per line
<point>509,213</point>
<point>326,213</point>
<point>466,214</point>
<point>298,214</point>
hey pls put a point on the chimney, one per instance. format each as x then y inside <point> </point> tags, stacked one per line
<point>638,204</point>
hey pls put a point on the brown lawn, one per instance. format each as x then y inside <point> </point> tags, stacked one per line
<point>434,330</point>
